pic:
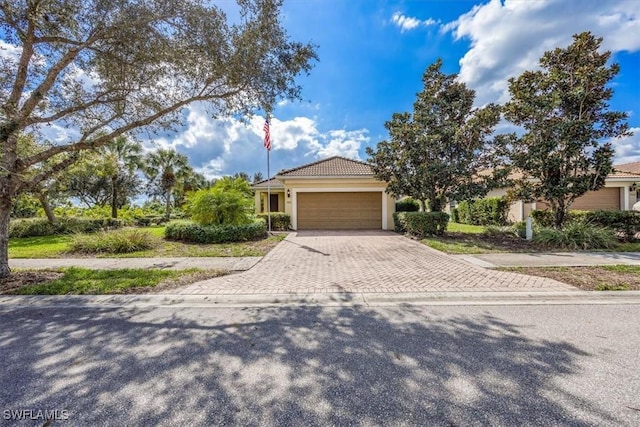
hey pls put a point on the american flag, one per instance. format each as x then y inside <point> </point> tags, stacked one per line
<point>267,135</point>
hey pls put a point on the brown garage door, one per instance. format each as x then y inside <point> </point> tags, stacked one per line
<point>606,198</point>
<point>339,211</point>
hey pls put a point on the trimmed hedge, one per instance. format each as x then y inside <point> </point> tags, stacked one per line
<point>33,227</point>
<point>487,211</point>
<point>407,205</point>
<point>279,220</point>
<point>421,224</point>
<point>188,231</point>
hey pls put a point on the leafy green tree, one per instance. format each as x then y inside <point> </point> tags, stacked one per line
<point>563,108</point>
<point>123,156</point>
<point>257,177</point>
<point>189,182</point>
<point>165,168</point>
<point>242,175</point>
<point>219,206</point>
<point>109,68</point>
<point>438,152</point>
<point>237,183</point>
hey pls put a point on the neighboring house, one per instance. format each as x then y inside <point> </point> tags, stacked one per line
<point>330,194</point>
<point>620,192</point>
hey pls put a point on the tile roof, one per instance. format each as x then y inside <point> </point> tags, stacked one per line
<point>273,183</point>
<point>626,169</point>
<point>333,166</point>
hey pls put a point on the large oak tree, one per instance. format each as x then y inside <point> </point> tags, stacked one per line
<point>564,110</point>
<point>107,68</point>
<point>439,152</point>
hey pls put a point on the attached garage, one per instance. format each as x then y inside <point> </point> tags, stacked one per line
<point>607,198</point>
<point>339,210</point>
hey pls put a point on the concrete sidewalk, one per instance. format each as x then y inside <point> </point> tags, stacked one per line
<point>556,259</point>
<point>177,263</point>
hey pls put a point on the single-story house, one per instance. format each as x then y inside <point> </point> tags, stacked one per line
<point>620,192</point>
<point>330,194</point>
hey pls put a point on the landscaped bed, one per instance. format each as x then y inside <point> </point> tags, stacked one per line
<point>475,239</point>
<point>79,281</point>
<point>600,278</point>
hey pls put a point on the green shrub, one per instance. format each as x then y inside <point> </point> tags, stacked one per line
<point>25,206</point>
<point>545,218</point>
<point>487,211</point>
<point>519,229</point>
<point>455,216</point>
<point>188,231</point>
<point>421,224</point>
<point>146,221</point>
<point>216,206</point>
<point>33,227</point>
<point>279,220</point>
<point>626,224</point>
<point>576,235</point>
<point>407,205</point>
<point>114,242</point>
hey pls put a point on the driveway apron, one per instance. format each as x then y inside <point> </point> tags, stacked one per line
<point>364,261</point>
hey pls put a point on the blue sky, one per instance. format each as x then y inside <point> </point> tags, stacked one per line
<point>372,55</point>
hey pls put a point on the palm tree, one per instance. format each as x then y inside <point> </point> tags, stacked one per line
<point>122,155</point>
<point>164,168</point>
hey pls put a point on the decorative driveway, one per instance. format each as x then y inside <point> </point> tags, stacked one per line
<point>357,261</point>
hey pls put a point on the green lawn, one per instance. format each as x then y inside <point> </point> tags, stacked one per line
<point>455,227</point>
<point>58,247</point>
<point>80,281</point>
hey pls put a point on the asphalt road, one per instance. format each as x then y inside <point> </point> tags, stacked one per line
<point>402,365</point>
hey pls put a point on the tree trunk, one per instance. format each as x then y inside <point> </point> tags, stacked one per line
<point>423,207</point>
<point>5,213</point>
<point>435,204</point>
<point>114,196</point>
<point>559,216</point>
<point>167,212</point>
<point>44,201</point>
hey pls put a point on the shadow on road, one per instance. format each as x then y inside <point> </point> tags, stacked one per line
<point>286,366</point>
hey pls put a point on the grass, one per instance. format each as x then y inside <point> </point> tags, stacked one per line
<point>596,278</point>
<point>59,247</point>
<point>80,281</point>
<point>454,227</point>
<point>461,246</point>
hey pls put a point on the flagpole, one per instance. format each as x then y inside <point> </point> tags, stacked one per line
<point>268,192</point>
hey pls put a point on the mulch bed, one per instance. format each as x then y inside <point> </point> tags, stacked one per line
<point>498,242</point>
<point>21,279</point>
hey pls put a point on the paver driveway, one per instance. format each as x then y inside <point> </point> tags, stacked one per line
<point>319,262</point>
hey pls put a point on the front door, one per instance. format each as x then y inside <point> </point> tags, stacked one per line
<point>274,203</point>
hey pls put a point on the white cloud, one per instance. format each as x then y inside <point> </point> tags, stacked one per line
<point>509,36</point>
<point>627,148</point>
<point>219,147</point>
<point>407,23</point>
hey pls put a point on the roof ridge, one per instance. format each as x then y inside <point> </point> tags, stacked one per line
<point>285,171</point>
<point>265,180</point>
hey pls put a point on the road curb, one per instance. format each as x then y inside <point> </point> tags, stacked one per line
<point>324,299</point>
